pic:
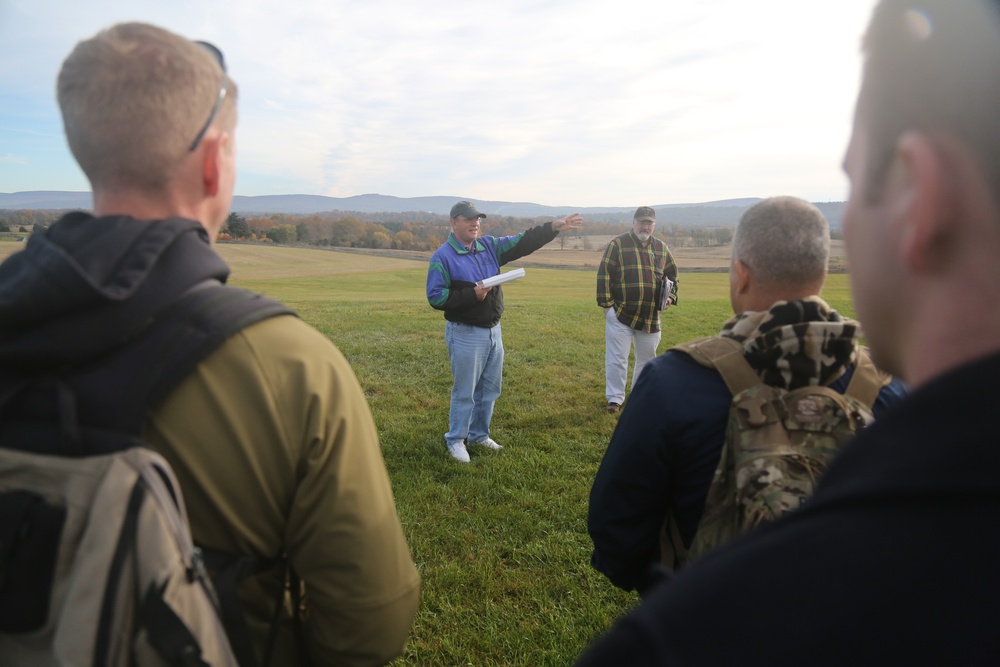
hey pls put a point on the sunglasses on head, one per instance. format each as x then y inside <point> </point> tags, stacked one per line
<point>217,54</point>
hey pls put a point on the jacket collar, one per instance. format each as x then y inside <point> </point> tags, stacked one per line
<point>461,249</point>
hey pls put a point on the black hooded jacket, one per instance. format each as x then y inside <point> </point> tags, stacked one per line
<point>86,285</point>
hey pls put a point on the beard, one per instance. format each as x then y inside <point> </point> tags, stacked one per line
<point>644,236</point>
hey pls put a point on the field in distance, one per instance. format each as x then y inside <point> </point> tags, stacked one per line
<point>299,261</point>
<point>569,255</point>
<point>713,258</point>
<point>303,261</point>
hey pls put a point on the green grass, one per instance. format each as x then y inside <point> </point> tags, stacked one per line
<point>501,543</point>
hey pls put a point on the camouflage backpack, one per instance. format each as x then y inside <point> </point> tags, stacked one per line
<point>778,443</point>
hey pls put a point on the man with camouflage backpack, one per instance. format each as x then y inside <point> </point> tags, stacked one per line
<point>650,491</point>
<point>893,561</point>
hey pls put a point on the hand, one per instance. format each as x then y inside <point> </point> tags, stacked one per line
<point>574,221</point>
<point>481,291</point>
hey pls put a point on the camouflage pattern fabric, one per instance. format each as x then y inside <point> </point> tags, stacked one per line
<point>796,343</point>
<point>784,426</point>
<point>778,444</point>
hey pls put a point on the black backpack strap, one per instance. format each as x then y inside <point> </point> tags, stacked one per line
<point>192,328</point>
<point>116,393</point>
<point>295,586</point>
<point>161,357</point>
<point>188,332</point>
<point>228,571</point>
<point>168,633</point>
<point>123,554</point>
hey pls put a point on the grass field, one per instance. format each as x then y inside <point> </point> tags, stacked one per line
<point>501,543</point>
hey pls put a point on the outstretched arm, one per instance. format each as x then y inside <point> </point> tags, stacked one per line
<point>574,221</point>
<point>509,248</point>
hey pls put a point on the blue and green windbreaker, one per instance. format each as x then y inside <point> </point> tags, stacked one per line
<point>455,270</point>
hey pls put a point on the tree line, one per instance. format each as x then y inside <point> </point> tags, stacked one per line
<point>399,231</point>
<point>421,231</point>
<point>361,231</point>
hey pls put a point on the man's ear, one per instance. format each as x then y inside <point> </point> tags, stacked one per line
<point>212,164</point>
<point>742,273</point>
<point>924,204</point>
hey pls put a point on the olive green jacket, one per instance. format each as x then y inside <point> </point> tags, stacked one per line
<point>275,449</point>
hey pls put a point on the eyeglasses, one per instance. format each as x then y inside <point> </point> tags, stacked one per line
<point>217,54</point>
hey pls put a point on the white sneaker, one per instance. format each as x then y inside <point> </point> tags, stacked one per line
<point>489,442</point>
<point>458,451</point>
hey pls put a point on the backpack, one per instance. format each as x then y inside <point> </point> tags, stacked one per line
<point>97,563</point>
<point>777,444</point>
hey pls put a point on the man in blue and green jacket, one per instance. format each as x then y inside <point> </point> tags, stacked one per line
<point>472,311</point>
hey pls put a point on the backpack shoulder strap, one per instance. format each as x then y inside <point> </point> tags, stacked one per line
<point>867,380</point>
<point>174,344</point>
<point>228,570</point>
<point>116,392</point>
<point>726,356</point>
<point>121,391</point>
<point>201,321</point>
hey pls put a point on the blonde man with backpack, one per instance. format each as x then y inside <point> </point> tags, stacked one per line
<point>649,495</point>
<point>269,434</point>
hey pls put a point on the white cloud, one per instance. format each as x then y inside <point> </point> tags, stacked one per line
<point>7,158</point>
<point>582,102</point>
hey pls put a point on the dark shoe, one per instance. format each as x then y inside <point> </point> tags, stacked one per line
<point>613,408</point>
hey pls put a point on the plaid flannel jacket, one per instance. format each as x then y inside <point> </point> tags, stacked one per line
<point>628,280</point>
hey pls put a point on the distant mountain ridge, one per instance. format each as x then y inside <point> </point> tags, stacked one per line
<point>724,212</point>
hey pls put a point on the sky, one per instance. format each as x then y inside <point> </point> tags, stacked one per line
<point>556,102</point>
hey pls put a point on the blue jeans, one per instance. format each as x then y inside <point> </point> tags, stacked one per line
<point>476,355</point>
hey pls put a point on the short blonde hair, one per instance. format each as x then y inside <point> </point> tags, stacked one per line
<point>133,98</point>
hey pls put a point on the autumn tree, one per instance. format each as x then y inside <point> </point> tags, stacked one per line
<point>402,240</point>
<point>346,231</point>
<point>260,225</point>
<point>309,230</point>
<point>236,226</point>
<point>380,240</point>
<point>282,234</point>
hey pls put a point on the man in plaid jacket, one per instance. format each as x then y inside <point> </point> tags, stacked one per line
<point>637,278</point>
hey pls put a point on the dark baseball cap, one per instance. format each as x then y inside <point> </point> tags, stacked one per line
<point>644,213</point>
<point>466,209</point>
